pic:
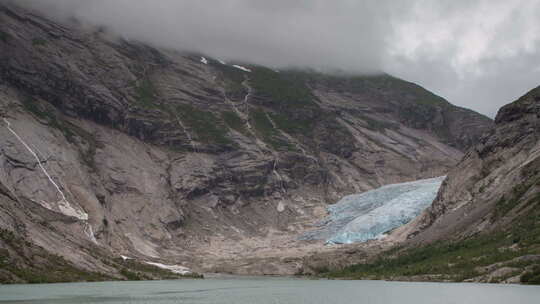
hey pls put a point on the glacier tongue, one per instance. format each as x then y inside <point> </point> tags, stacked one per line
<point>366,216</point>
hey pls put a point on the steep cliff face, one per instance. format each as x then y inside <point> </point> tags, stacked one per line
<point>496,184</point>
<point>167,156</point>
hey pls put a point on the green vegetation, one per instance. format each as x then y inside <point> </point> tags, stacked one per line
<point>233,79</point>
<point>378,125</point>
<point>4,37</point>
<point>417,106</point>
<point>7,236</point>
<point>267,131</point>
<point>234,122</point>
<point>503,205</point>
<point>385,83</point>
<point>264,127</point>
<point>534,93</point>
<point>453,260</point>
<point>458,260</point>
<point>532,277</point>
<point>357,84</point>
<point>39,42</point>
<point>32,264</point>
<point>293,106</point>
<point>33,106</point>
<point>286,89</point>
<point>46,113</point>
<point>146,94</point>
<point>207,126</point>
<point>293,126</point>
<point>131,276</point>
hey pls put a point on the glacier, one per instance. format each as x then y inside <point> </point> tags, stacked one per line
<point>369,215</point>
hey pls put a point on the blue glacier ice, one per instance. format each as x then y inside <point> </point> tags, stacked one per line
<point>368,215</point>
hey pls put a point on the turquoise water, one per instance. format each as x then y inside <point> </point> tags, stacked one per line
<point>268,291</point>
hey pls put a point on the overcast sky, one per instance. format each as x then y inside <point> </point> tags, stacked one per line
<point>479,54</point>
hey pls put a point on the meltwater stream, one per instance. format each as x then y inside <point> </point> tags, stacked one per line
<point>368,215</point>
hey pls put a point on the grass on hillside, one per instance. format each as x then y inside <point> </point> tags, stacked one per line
<point>233,79</point>
<point>293,105</point>
<point>208,128</point>
<point>4,37</point>
<point>234,122</point>
<point>378,125</point>
<point>39,42</point>
<point>35,265</point>
<point>267,131</point>
<point>383,83</point>
<point>285,89</point>
<point>145,94</point>
<point>293,126</point>
<point>32,264</point>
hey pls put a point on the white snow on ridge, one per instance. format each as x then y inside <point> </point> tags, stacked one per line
<point>204,60</point>
<point>242,68</point>
<point>174,268</point>
<point>221,61</point>
<point>368,215</point>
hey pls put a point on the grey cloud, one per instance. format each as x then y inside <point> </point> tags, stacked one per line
<point>479,54</point>
<point>347,35</point>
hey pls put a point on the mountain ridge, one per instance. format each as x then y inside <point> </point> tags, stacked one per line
<point>183,162</point>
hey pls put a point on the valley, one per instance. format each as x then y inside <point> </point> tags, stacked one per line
<point>121,160</point>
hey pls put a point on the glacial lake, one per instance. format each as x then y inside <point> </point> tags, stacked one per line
<point>268,291</point>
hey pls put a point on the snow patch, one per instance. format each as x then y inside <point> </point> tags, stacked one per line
<point>66,208</point>
<point>173,268</point>
<point>125,258</point>
<point>90,233</point>
<point>242,68</point>
<point>369,215</point>
<point>204,60</point>
<point>222,62</point>
<point>280,207</point>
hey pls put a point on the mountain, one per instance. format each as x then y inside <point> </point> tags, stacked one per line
<point>116,148</point>
<point>484,224</point>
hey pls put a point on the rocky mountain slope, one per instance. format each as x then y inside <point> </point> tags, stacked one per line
<point>112,147</point>
<point>496,182</point>
<point>484,224</point>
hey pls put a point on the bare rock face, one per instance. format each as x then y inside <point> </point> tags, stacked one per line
<point>496,182</point>
<point>155,155</point>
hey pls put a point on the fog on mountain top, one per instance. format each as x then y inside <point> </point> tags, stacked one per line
<point>346,35</point>
<point>479,54</point>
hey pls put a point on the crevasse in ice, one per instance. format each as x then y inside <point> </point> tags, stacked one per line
<point>366,216</point>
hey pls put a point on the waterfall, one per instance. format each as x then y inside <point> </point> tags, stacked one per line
<point>8,124</point>
<point>90,232</point>
<point>64,205</point>
<point>191,142</point>
<point>279,177</point>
